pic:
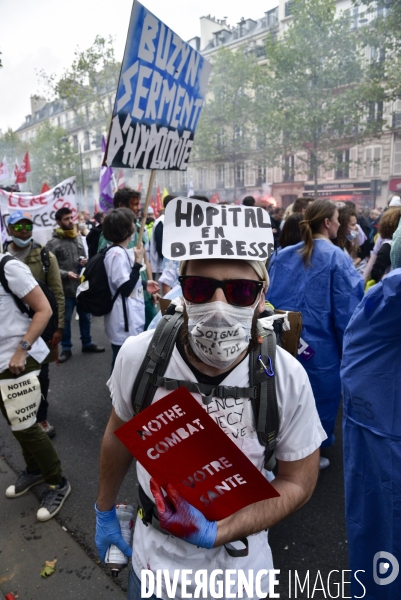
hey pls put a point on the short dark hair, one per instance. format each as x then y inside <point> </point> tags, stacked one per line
<point>118,225</point>
<point>99,216</point>
<point>299,205</point>
<point>168,199</point>
<point>123,197</point>
<point>64,210</point>
<point>249,201</point>
<point>277,209</point>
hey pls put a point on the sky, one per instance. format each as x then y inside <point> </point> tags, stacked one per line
<point>38,35</point>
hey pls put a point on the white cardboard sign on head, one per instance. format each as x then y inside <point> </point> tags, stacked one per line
<point>195,229</point>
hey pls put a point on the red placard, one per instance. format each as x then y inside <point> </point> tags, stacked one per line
<point>177,442</point>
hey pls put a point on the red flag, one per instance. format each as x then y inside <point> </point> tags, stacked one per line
<point>26,165</point>
<point>159,205</point>
<point>16,170</point>
<point>140,186</point>
<point>152,204</point>
<point>120,180</point>
<point>215,199</point>
<point>45,188</point>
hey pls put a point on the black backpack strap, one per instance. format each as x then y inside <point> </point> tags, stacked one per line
<point>4,283</point>
<point>155,361</point>
<point>262,373</point>
<point>45,258</point>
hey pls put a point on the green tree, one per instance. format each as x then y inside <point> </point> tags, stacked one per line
<point>312,99</point>
<point>226,128</point>
<point>52,157</point>
<point>85,85</point>
<point>380,34</point>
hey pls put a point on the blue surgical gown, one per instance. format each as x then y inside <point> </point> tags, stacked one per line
<point>371,377</point>
<point>326,293</point>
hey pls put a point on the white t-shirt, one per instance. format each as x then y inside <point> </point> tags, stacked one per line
<point>13,323</point>
<point>299,435</point>
<point>118,264</point>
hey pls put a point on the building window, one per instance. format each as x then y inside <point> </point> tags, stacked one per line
<point>86,141</point>
<point>261,174</point>
<point>75,142</point>
<point>375,111</point>
<point>220,176</point>
<point>373,161</point>
<point>184,179</point>
<point>289,168</point>
<point>342,165</point>
<point>288,9</point>
<point>272,17</point>
<point>397,158</point>
<point>240,170</point>
<point>354,18</point>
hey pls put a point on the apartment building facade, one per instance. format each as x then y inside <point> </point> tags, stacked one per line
<point>369,172</point>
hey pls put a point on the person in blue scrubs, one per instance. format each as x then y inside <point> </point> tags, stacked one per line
<point>371,378</point>
<point>318,279</point>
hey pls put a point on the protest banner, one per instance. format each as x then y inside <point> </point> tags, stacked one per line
<point>159,98</point>
<point>177,442</point>
<point>206,231</point>
<point>42,208</point>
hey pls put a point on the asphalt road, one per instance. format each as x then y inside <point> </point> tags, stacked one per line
<point>312,539</point>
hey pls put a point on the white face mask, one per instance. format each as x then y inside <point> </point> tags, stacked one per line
<point>219,332</point>
<point>352,235</point>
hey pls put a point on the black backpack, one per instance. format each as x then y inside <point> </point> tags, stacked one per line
<point>52,325</point>
<point>93,293</point>
<point>261,392</point>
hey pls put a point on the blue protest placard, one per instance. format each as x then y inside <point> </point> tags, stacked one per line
<point>160,94</point>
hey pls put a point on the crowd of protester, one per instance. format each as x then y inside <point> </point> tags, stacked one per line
<point>335,263</point>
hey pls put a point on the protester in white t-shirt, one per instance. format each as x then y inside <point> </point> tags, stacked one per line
<point>22,353</point>
<point>123,270</point>
<point>297,451</point>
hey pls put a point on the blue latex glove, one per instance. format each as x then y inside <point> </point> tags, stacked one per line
<point>181,519</point>
<point>108,531</point>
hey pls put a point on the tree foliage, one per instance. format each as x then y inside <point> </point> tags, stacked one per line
<point>381,36</point>
<point>52,158</point>
<point>226,127</point>
<point>310,99</point>
<point>83,87</point>
<point>315,94</point>
<point>11,147</point>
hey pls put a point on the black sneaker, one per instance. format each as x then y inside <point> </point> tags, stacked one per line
<point>24,483</point>
<point>64,356</point>
<point>93,348</point>
<point>53,500</point>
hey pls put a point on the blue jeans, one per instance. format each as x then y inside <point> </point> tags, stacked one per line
<point>134,586</point>
<point>84,325</point>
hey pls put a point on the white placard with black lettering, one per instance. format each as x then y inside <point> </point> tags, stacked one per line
<point>21,397</point>
<point>195,229</point>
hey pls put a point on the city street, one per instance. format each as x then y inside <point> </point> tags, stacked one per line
<point>314,538</point>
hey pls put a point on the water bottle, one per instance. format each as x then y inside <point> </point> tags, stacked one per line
<point>115,559</point>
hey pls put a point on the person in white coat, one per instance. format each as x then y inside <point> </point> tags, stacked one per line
<point>123,270</point>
